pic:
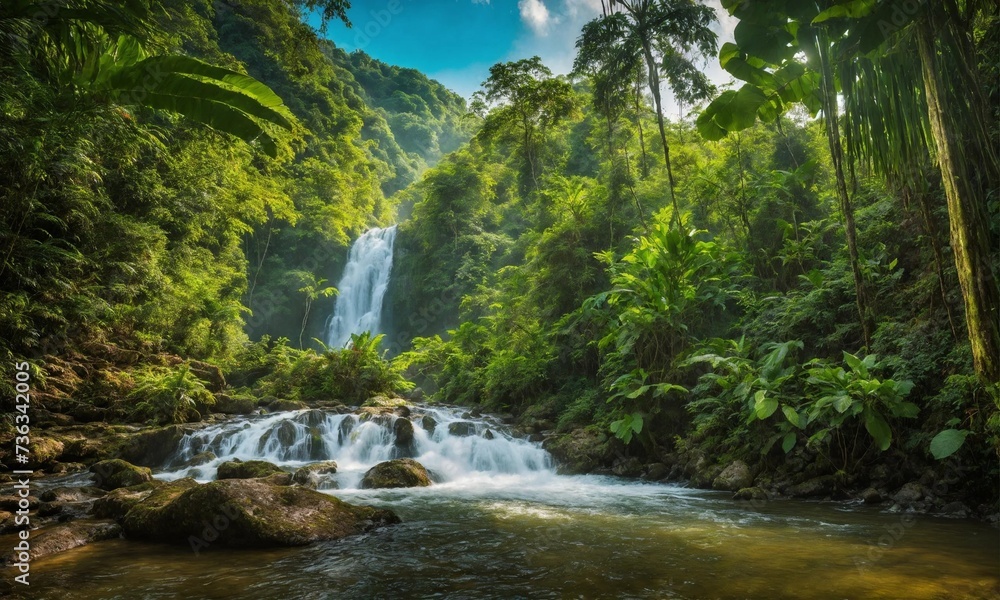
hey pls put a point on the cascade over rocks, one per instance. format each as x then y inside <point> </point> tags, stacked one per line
<point>316,475</point>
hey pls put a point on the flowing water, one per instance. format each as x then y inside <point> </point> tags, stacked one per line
<point>500,523</point>
<point>361,288</point>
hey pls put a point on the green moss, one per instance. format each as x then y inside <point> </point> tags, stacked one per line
<point>237,469</point>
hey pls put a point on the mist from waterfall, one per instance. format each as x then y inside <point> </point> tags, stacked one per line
<point>362,287</point>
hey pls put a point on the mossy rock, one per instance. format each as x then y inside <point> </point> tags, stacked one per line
<point>117,473</point>
<point>151,447</point>
<point>244,513</point>
<point>210,374</point>
<point>384,402</point>
<point>116,504</point>
<point>751,493</point>
<point>45,452</point>
<point>734,477</point>
<point>398,473</point>
<point>462,428</point>
<point>234,405</point>
<point>286,405</point>
<point>251,469</point>
<point>200,459</point>
<point>402,429</point>
<point>581,451</point>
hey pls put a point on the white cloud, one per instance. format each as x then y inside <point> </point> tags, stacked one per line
<point>536,15</point>
<point>480,1</point>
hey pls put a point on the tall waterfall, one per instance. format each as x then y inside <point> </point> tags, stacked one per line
<point>362,287</point>
<point>451,444</point>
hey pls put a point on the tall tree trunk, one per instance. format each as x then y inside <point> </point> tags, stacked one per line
<point>846,208</point>
<point>967,219</point>
<point>638,124</point>
<point>654,88</point>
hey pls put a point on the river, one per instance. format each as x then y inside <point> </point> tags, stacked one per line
<point>500,523</point>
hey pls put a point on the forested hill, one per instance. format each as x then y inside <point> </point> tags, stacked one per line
<point>425,119</point>
<point>130,231</point>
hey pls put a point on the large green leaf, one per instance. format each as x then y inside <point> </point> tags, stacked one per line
<point>792,416</point>
<point>764,407</point>
<point>878,429</point>
<point>130,83</point>
<point>948,442</point>
<point>216,115</point>
<point>193,66</point>
<point>742,111</point>
<point>854,9</point>
<point>768,40</point>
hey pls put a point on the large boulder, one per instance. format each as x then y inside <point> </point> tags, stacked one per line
<point>117,473</point>
<point>733,478</point>
<point>246,513</point>
<point>251,469</point>
<point>384,402</point>
<point>399,473</point>
<point>581,451</point>
<point>312,418</point>
<point>210,374</point>
<point>316,475</point>
<point>751,493</point>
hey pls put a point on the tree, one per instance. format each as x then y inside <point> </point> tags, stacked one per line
<point>523,97</point>
<point>312,288</point>
<point>925,69</point>
<point>661,35</point>
<point>769,39</point>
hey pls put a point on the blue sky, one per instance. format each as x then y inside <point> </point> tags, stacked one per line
<point>456,41</point>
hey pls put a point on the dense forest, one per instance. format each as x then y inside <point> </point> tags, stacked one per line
<point>753,282</point>
<point>799,273</point>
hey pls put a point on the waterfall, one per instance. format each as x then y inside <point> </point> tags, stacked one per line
<point>451,445</point>
<point>366,277</point>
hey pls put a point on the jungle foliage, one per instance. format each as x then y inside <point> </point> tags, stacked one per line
<point>803,292</point>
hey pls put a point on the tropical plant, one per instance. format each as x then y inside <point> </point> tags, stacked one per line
<point>850,397</point>
<point>99,49</point>
<point>168,395</point>
<point>312,288</point>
